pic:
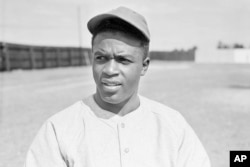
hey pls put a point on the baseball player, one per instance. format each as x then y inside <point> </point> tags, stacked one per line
<point>116,127</point>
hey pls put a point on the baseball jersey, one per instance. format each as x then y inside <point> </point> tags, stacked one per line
<point>85,135</point>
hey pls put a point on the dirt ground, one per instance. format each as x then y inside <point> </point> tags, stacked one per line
<point>214,98</point>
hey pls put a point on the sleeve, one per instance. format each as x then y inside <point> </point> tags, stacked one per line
<point>191,152</point>
<point>45,150</point>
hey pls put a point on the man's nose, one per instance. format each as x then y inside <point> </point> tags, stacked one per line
<point>111,68</point>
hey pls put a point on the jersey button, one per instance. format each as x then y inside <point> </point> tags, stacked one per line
<point>126,150</point>
<point>122,125</point>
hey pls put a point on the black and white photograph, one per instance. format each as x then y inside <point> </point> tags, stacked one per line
<point>91,83</point>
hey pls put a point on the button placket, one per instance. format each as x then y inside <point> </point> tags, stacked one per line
<point>124,147</point>
<point>123,135</point>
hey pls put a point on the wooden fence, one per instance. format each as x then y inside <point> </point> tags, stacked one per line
<point>14,56</point>
<point>175,55</point>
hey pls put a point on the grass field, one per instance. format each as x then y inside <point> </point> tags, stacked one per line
<point>214,98</point>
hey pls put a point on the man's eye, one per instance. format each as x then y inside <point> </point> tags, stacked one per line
<point>100,58</point>
<point>123,60</point>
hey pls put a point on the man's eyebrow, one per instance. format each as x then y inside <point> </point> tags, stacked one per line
<point>125,56</point>
<point>99,53</point>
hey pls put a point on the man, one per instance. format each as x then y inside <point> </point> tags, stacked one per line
<point>116,127</point>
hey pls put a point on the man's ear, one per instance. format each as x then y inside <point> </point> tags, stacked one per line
<point>145,65</point>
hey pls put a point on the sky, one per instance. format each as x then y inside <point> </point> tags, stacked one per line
<point>173,24</point>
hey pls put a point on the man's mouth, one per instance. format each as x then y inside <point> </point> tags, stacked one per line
<point>111,85</point>
<point>109,82</point>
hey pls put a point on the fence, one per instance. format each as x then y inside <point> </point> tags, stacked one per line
<point>176,55</point>
<point>14,56</point>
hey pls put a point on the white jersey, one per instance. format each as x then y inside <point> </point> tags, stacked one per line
<point>84,135</point>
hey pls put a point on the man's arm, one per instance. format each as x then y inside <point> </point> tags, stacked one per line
<point>45,151</point>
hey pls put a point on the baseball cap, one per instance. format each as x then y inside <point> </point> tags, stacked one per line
<point>125,14</point>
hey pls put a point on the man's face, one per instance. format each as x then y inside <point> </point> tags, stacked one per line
<point>117,66</point>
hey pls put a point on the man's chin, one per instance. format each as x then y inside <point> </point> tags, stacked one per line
<point>113,99</point>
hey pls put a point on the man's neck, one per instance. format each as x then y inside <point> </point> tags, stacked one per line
<point>122,108</point>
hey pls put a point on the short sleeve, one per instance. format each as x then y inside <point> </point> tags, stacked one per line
<point>45,151</point>
<point>191,152</point>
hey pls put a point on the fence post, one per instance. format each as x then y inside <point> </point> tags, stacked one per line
<point>32,58</point>
<point>90,57</point>
<point>44,57</point>
<point>81,58</point>
<point>70,56</point>
<point>86,56</point>
<point>58,51</point>
<point>6,57</point>
<point>1,57</point>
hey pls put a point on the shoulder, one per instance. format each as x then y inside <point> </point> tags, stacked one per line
<point>69,114</point>
<point>66,125</point>
<point>162,110</point>
<point>173,123</point>
<point>166,116</point>
<point>58,132</point>
<point>69,121</point>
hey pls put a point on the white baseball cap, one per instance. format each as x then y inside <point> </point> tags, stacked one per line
<point>125,14</point>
